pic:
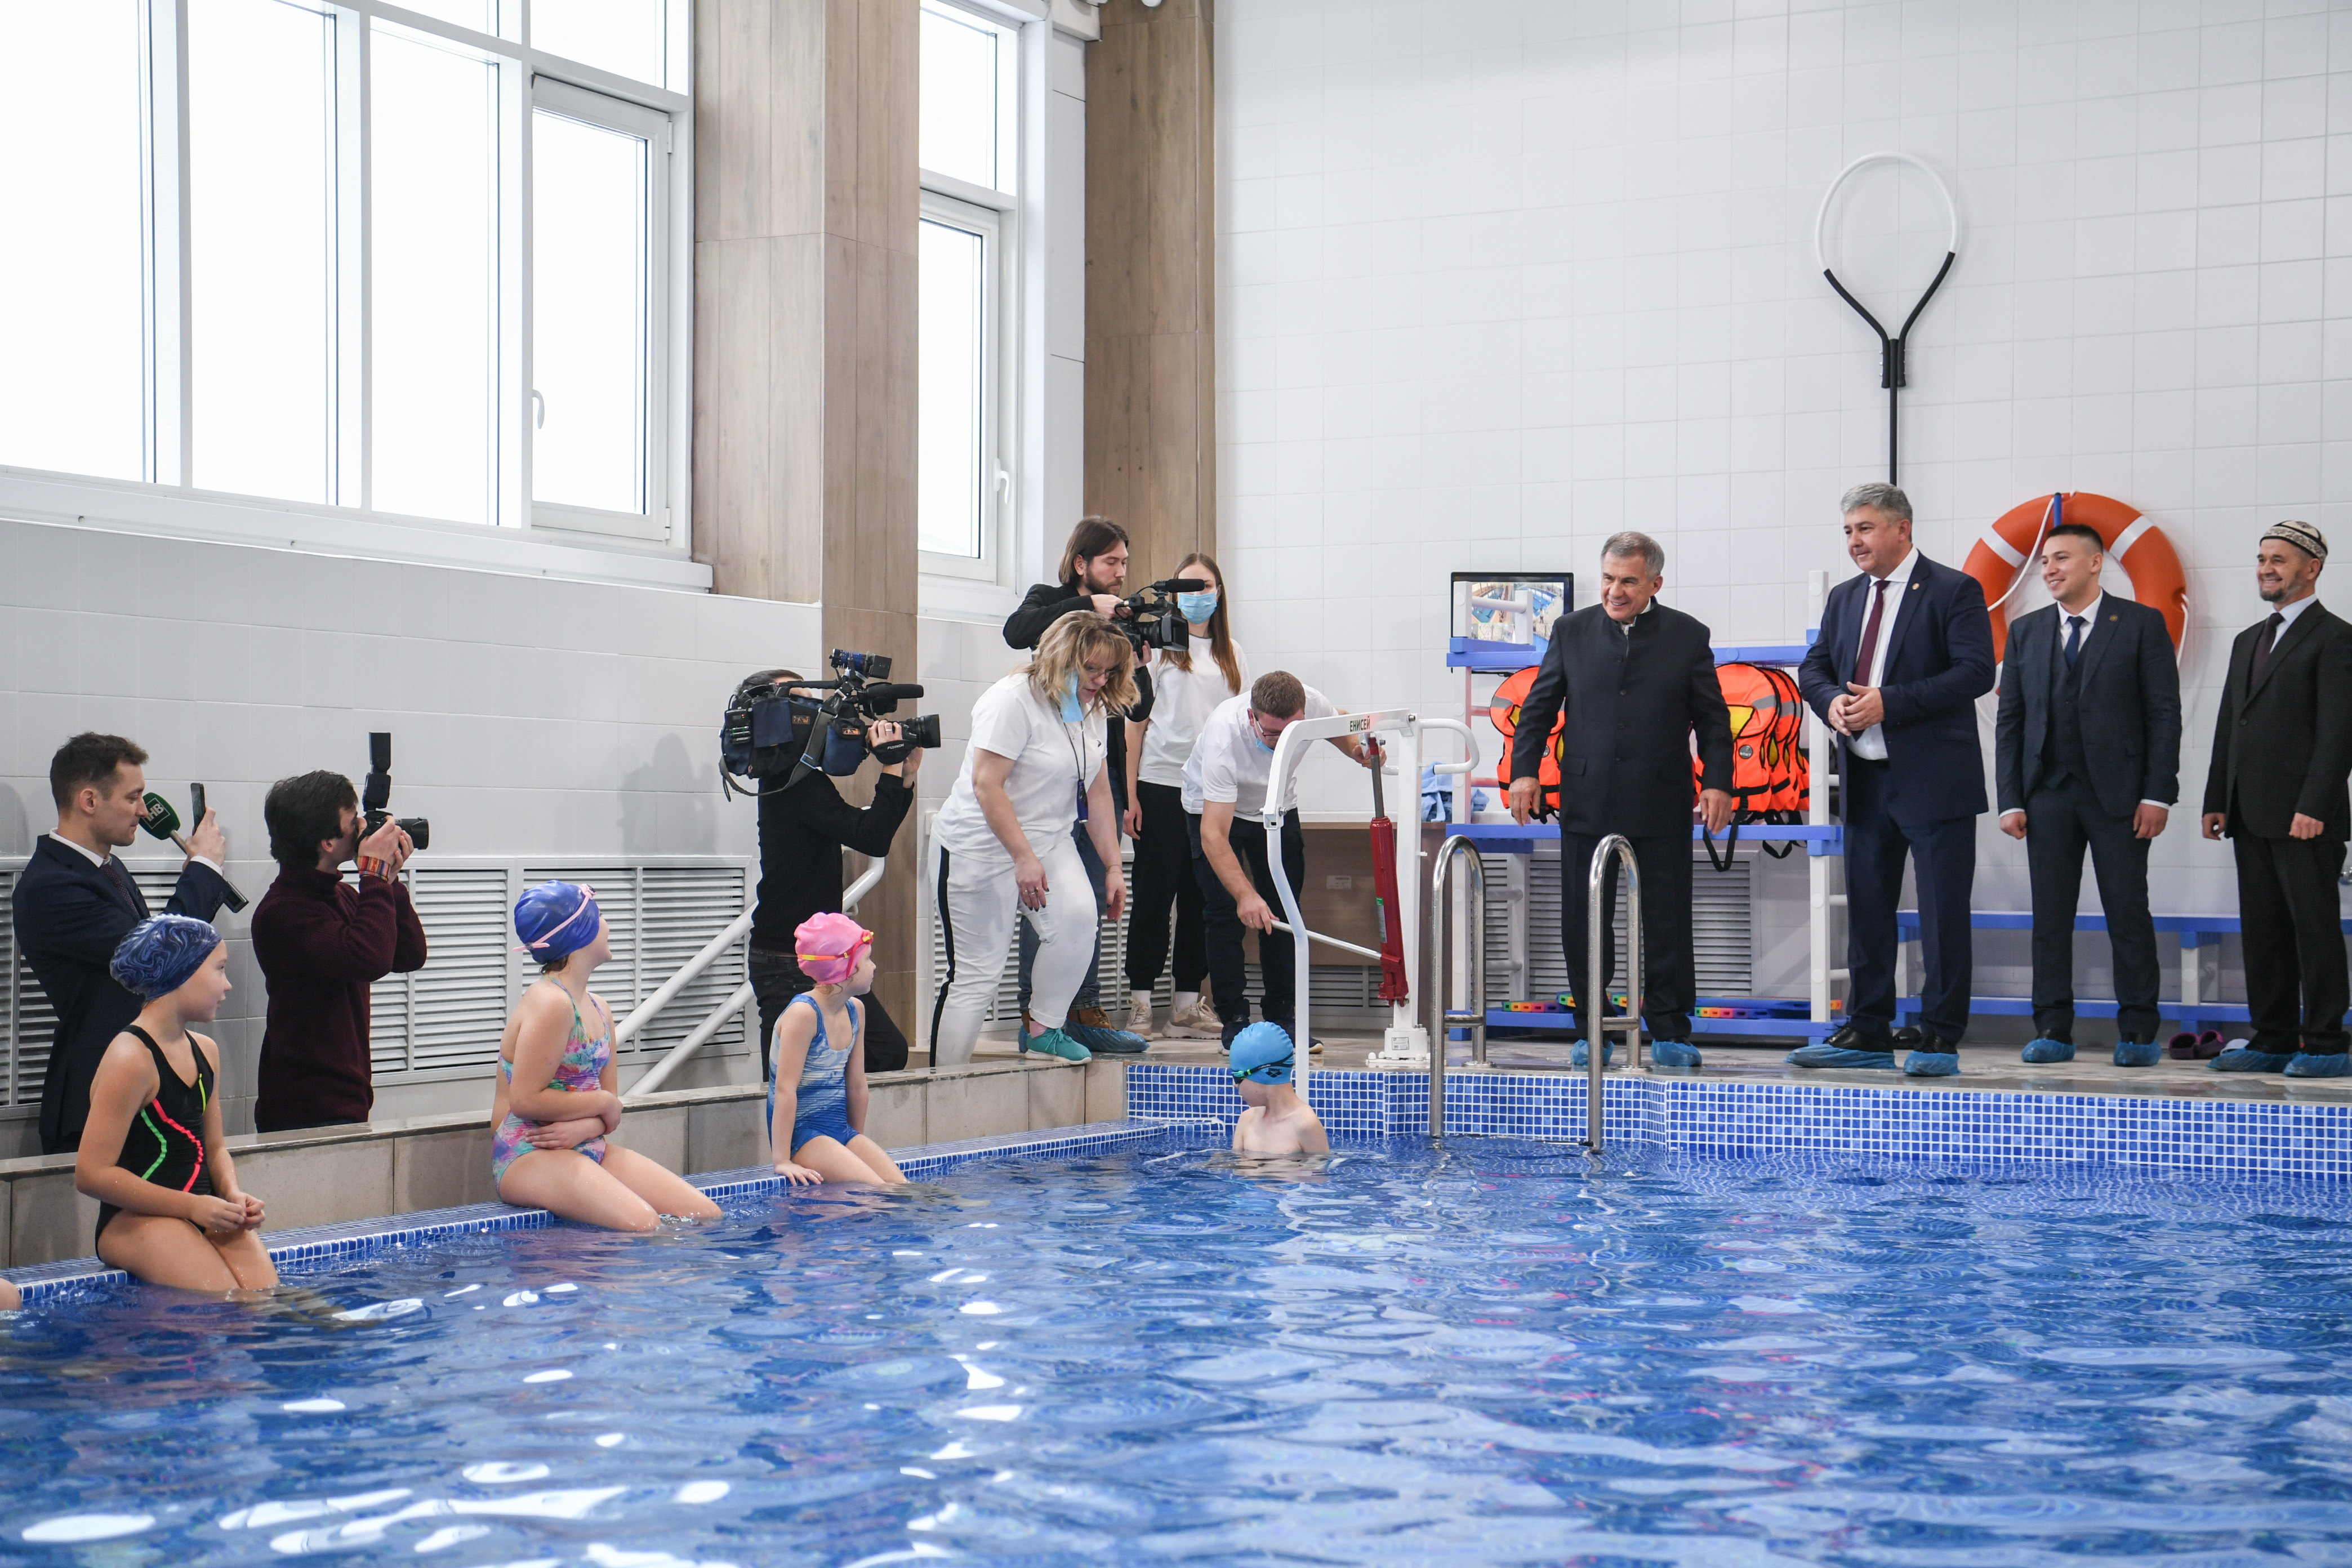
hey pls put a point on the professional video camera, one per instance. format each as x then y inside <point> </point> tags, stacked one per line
<point>1150,619</point>
<point>767,733</point>
<point>376,795</point>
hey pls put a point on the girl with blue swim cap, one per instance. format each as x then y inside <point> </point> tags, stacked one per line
<point>557,1097</point>
<point>170,1209</point>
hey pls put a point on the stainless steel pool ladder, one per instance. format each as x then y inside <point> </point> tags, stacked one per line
<point>1595,1008</point>
<point>1441,886</point>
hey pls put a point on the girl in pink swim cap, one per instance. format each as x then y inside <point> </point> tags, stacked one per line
<point>816,1100</point>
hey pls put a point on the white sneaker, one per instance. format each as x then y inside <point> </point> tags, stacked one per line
<point>1198,1022</point>
<point>1138,1019</point>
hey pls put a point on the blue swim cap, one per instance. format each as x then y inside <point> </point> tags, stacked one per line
<point>1262,1054</point>
<point>556,920</point>
<point>159,955</point>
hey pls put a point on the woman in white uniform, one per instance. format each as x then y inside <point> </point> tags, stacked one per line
<point>1034,768</point>
<point>1187,685</point>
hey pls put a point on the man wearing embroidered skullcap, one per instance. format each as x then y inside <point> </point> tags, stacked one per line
<point>2282,748</point>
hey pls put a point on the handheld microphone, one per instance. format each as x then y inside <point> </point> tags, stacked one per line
<point>163,822</point>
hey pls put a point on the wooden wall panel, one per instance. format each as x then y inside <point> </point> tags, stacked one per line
<point>806,204</point>
<point>1151,400</point>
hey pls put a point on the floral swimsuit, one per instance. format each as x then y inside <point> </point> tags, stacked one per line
<point>582,1070</point>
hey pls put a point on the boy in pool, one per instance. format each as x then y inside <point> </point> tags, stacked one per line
<point>1277,1121</point>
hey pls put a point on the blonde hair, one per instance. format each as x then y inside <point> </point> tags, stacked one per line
<point>1221,637</point>
<point>1064,652</point>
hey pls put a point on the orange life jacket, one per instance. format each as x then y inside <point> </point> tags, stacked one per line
<point>1770,776</point>
<point>1504,713</point>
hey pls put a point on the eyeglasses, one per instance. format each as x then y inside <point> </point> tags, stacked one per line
<point>1259,725</point>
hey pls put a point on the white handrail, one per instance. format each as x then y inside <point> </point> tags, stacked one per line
<point>871,879</point>
<point>737,1001</point>
<point>643,1012</point>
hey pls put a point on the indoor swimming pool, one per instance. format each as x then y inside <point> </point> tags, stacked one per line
<point>1492,1351</point>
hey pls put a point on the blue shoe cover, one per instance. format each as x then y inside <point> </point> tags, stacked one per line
<point>2138,1053</point>
<point>2314,1064</point>
<point>1582,1056</point>
<point>1839,1057</point>
<point>1932,1064</point>
<point>2046,1050</point>
<point>1673,1054</point>
<point>2245,1061</point>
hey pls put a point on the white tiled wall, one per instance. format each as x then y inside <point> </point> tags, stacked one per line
<point>1499,279</point>
<point>529,716</point>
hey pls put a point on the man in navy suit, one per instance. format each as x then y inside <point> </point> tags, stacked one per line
<point>2087,754</point>
<point>1905,651</point>
<point>75,903</point>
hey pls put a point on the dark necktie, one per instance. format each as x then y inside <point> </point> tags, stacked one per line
<point>2074,639</point>
<point>2265,643</point>
<point>122,880</point>
<point>1870,635</point>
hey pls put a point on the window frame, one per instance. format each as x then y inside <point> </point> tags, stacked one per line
<point>654,547</point>
<point>997,214</point>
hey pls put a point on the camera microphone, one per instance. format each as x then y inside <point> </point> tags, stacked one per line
<point>1181,585</point>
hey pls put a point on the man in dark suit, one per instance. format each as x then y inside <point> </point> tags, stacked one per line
<point>2087,750</point>
<point>74,903</point>
<point>2282,747</point>
<point>1906,649</point>
<point>1635,681</point>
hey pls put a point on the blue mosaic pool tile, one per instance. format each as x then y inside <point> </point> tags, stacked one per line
<point>294,1251</point>
<point>2252,1138</point>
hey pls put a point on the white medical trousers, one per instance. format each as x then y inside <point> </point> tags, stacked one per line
<point>977,902</point>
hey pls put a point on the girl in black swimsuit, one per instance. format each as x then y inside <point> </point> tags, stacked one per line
<point>170,1209</point>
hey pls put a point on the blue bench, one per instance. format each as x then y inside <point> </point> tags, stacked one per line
<point>2200,935</point>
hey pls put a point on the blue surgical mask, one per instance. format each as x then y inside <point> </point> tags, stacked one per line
<point>1197,607</point>
<point>1072,710</point>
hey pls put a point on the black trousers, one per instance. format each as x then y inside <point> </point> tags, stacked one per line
<point>2061,821</point>
<point>1163,872</point>
<point>1664,867</point>
<point>776,979</point>
<point>2297,985</point>
<point>1223,921</point>
<point>1944,853</point>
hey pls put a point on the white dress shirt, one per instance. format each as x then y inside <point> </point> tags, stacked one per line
<point>100,860</point>
<point>1872,742</point>
<point>2289,612</point>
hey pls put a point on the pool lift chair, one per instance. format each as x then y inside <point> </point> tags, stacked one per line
<point>1405,1042</point>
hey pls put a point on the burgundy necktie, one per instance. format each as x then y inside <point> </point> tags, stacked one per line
<point>115,874</point>
<point>1870,635</point>
<point>2264,645</point>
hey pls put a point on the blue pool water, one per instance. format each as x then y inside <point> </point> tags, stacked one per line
<point>1484,1354</point>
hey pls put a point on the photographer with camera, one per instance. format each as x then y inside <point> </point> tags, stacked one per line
<point>1094,570</point>
<point>1033,772</point>
<point>804,828</point>
<point>322,943</point>
<point>1190,682</point>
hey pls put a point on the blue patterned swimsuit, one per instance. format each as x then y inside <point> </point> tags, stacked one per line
<point>821,1104</point>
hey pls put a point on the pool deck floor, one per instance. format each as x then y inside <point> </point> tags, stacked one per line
<point>1983,1069</point>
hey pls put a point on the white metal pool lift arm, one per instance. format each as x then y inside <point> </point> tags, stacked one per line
<point>1403,1035</point>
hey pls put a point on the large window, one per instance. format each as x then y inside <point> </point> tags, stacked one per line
<point>968,146</point>
<point>376,263</point>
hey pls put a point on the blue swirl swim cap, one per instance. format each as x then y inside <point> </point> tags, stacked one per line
<point>556,920</point>
<point>159,955</point>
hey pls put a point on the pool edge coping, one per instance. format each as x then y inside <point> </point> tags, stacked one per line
<point>348,1238</point>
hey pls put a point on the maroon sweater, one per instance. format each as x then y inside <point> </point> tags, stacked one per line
<point>322,943</point>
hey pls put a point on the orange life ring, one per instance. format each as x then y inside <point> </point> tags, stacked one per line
<point>2004,551</point>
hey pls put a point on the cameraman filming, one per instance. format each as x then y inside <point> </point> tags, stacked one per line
<point>802,831</point>
<point>1094,570</point>
<point>320,943</point>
